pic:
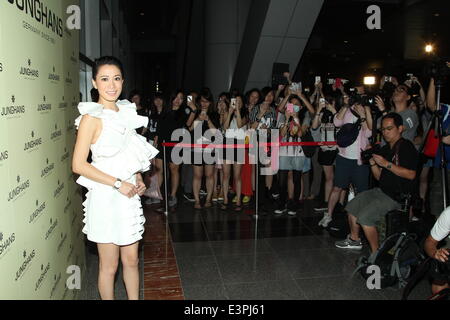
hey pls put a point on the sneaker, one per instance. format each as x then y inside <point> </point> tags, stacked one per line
<point>319,210</point>
<point>172,201</point>
<point>325,220</point>
<point>275,196</point>
<point>292,208</point>
<point>189,197</point>
<point>349,244</point>
<point>280,210</point>
<point>203,192</point>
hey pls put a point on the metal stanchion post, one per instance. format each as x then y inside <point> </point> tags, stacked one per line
<point>257,179</point>
<point>166,199</point>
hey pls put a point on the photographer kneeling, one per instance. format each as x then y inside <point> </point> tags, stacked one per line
<point>395,168</point>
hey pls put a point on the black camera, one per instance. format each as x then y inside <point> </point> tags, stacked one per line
<point>364,100</point>
<point>438,69</point>
<point>366,155</point>
<point>327,116</point>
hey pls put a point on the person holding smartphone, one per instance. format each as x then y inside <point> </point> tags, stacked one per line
<point>206,119</point>
<point>234,127</point>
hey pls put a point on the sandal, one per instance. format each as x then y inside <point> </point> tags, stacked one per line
<point>208,204</point>
<point>197,206</point>
<point>224,206</point>
<point>238,208</point>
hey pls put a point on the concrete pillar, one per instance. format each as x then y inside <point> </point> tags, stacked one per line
<point>225,22</point>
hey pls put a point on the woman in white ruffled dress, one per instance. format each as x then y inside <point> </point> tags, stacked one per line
<point>113,213</point>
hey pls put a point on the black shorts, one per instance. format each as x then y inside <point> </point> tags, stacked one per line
<point>327,158</point>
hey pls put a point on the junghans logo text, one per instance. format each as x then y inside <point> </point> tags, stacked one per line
<point>40,12</point>
<point>29,71</point>
<point>43,107</point>
<point>5,243</point>
<point>38,212</point>
<point>43,275</point>
<point>13,109</point>
<point>14,193</point>
<point>25,264</point>
<point>56,134</point>
<point>31,145</point>
<point>52,76</point>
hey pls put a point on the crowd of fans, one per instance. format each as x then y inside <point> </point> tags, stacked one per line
<point>393,121</point>
<point>297,114</point>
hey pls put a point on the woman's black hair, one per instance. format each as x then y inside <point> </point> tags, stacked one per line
<point>264,92</point>
<point>249,93</point>
<point>207,95</point>
<point>153,108</point>
<point>134,93</point>
<point>173,97</point>
<point>106,60</point>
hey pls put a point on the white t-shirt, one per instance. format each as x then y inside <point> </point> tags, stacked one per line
<point>441,228</point>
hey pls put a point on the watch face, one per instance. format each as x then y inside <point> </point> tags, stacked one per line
<point>118,184</point>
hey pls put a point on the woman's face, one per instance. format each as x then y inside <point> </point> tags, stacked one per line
<point>204,103</point>
<point>269,97</point>
<point>136,99</point>
<point>222,106</point>
<point>253,99</point>
<point>158,103</point>
<point>178,101</point>
<point>239,103</point>
<point>109,83</point>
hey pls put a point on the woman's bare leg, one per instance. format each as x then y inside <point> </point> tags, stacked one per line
<point>130,262</point>
<point>108,262</point>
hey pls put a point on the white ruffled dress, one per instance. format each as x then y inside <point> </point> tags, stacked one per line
<point>109,216</point>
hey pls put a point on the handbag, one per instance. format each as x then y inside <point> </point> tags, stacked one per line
<point>308,150</point>
<point>431,144</point>
<point>349,132</point>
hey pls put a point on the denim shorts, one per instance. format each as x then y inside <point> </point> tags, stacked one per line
<point>294,163</point>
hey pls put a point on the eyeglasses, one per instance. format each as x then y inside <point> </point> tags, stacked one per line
<point>387,128</point>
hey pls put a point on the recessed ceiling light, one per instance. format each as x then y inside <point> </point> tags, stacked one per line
<point>142,14</point>
<point>345,41</point>
<point>436,14</point>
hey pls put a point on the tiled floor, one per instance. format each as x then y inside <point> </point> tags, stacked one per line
<point>211,254</point>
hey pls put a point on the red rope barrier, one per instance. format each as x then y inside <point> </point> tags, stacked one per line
<point>248,146</point>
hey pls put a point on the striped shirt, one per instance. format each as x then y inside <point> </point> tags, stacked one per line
<point>269,119</point>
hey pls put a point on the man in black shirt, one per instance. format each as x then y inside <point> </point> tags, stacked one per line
<point>395,167</point>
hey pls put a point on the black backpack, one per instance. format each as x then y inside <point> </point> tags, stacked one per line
<point>339,227</point>
<point>398,257</point>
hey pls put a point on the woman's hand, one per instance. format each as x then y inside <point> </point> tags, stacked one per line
<point>360,110</point>
<point>140,187</point>
<point>129,190</point>
<point>380,103</point>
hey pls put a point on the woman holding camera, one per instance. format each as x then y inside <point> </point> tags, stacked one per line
<point>323,129</point>
<point>292,159</point>
<point>206,118</point>
<point>235,126</point>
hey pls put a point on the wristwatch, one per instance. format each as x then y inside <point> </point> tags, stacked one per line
<point>117,184</point>
<point>389,166</point>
